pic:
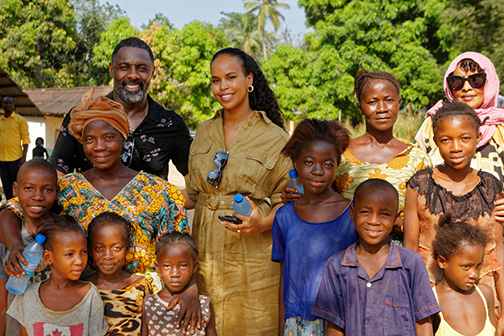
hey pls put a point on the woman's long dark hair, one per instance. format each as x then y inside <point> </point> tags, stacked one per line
<point>262,98</point>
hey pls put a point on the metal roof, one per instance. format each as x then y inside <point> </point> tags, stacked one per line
<point>58,101</point>
<point>24,105</point>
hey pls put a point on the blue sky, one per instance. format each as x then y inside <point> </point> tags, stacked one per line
<point>181,12</point>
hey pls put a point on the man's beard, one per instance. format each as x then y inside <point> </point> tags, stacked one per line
<point>130,97</point>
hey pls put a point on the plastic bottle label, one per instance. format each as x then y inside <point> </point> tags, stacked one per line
<point>30,269</point>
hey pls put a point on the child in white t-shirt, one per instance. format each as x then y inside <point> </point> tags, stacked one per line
<point>61,305</point>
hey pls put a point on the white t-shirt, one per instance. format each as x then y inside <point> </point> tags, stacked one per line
<point>84,319</point>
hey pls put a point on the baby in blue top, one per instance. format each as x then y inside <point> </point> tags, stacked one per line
<point>375,287</point>
<point>314,227</point>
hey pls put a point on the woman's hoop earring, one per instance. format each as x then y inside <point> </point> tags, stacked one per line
<point>250,88</point>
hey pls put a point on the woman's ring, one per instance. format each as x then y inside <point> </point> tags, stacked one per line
<point>238,231</point>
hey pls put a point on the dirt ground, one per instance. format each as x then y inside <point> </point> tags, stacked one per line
<point>174,177</point>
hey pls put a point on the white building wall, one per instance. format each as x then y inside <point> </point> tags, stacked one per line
<point>37,128</point>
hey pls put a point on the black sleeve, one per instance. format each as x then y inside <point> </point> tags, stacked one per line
<point>68,154</point>
<point>181,153</point>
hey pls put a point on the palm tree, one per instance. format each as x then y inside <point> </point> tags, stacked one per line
<point>267,9</point>
<point>241,31</point>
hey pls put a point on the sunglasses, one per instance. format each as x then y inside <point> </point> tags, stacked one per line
<point>128,149</point>
<point>457,82</point>
<point>214,175</point>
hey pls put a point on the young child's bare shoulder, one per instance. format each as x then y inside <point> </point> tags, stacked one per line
<point>487,293</point>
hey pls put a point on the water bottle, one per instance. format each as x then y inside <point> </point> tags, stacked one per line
<point>241,205</point>
<point>32,254</point>
<point>295,182</point>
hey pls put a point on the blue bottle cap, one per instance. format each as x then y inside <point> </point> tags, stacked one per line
<point>40,238</point>
<point>293,173</point>
<point>238,198</point>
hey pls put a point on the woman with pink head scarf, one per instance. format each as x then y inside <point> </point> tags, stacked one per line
<point>471,79</point>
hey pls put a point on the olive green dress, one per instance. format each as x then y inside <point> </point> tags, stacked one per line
<point>236,269</point>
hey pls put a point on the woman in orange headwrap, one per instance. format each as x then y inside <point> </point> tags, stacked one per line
<point>151,204</point>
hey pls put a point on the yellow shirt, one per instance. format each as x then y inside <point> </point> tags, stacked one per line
<point>351,172</point>
<point>13,133</point>
<point>236,269</point>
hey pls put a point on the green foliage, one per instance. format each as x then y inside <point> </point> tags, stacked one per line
<point>266,9</point>
<point>114,33</point>
<point>160,19</point>
<point>303,85</point>
<point>36,38</point>
<point>241,32</point>
<point>48,43</point>
<point>91,20</point>
<point>182,79</point>
<point>478,26</point>
<point>407,38</point>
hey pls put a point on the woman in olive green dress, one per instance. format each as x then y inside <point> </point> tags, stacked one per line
<point>238,151</point>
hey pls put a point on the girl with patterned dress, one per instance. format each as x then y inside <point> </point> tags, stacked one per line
<point>177,262</point>
<point>455,189</point>
<point>110,237</point>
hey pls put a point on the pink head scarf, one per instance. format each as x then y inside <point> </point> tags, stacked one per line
<point>488,110</point>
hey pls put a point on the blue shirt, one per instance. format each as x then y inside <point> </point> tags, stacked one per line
<point>391,303</point>
<point>305,247</point>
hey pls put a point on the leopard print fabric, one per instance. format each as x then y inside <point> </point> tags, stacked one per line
<point>123,308</point>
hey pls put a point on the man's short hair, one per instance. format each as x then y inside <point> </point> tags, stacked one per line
<point>133,42</point>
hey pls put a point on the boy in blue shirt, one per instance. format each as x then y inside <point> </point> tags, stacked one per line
<point>375,287</point>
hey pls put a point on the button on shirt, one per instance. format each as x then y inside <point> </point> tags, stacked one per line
<point>13,132</point>
<point>390,303</point>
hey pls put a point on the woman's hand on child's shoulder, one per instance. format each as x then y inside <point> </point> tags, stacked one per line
<point>189,318</point>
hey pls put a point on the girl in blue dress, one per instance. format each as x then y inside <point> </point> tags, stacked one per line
<point>314,227</point>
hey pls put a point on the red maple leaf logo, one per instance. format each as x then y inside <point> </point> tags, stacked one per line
<point>56,333</point>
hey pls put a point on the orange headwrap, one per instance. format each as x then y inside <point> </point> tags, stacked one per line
<point>100,108</point>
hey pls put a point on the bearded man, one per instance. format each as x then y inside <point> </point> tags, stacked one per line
<point>157,135</point>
